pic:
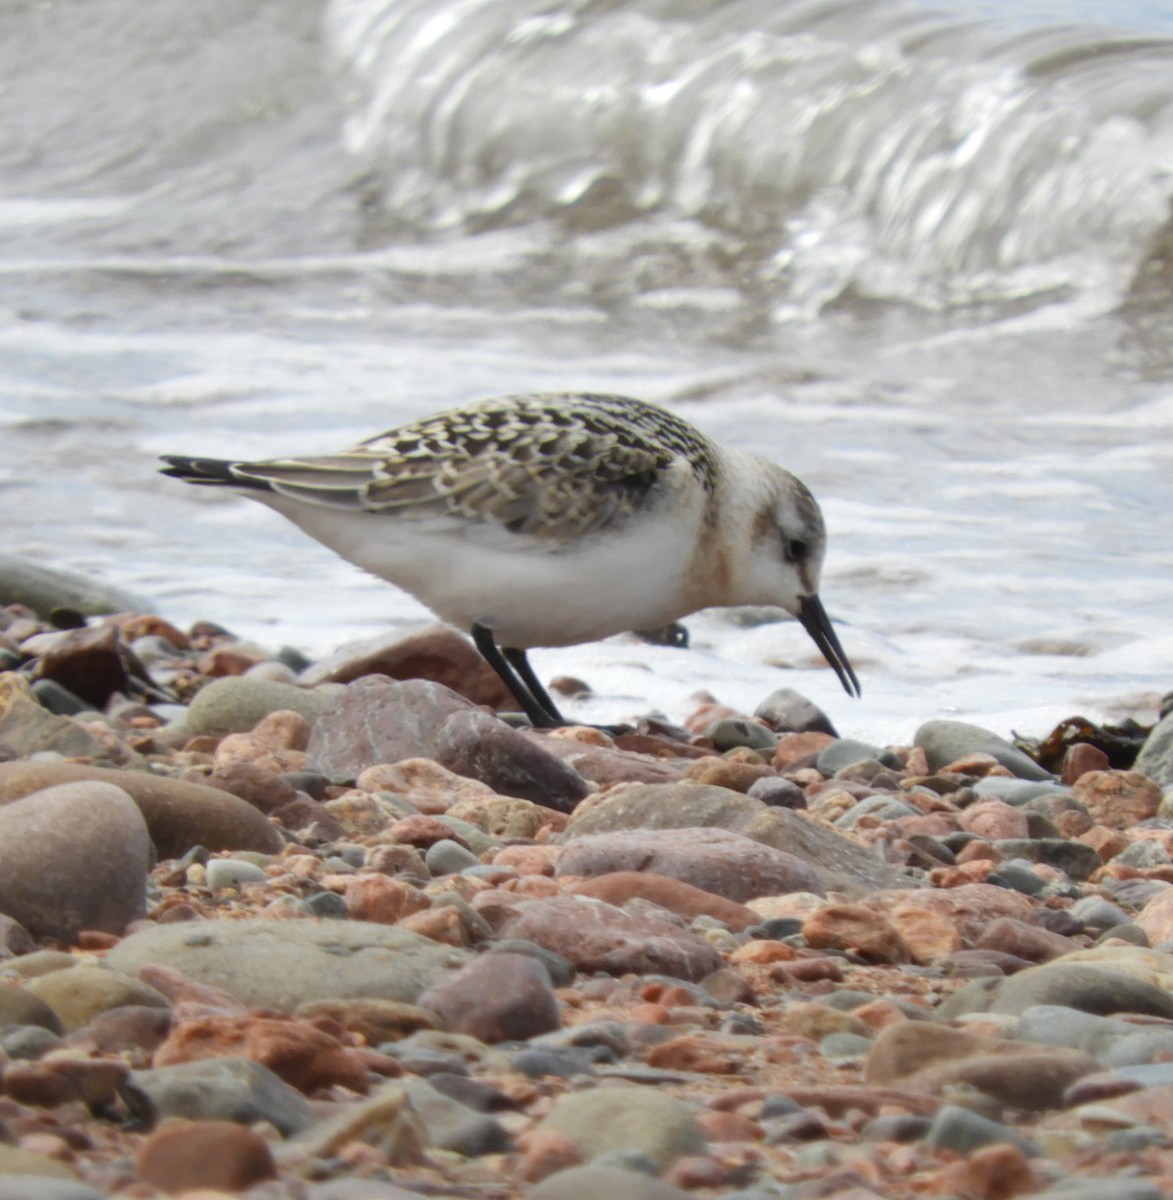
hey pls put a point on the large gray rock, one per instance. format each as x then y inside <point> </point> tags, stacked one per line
<point>222,1089</point>
<point>73,857</point>
<point>945,741</point>
<point>282,964</point>
<point>842,864</point>
<point>44,588</point>
<point>1156,755</point>
<point>1085,986</point>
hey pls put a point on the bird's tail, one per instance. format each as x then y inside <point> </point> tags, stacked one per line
<point>209,472</point>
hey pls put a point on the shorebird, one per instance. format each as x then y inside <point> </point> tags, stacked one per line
<point>550,520</point>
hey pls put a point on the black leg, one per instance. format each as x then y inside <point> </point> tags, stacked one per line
<point>541,716</point>
<point>518,661</point>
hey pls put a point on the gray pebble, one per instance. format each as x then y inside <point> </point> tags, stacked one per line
<point>28,1041</point>
<point>1096,913</point>
<point>447,857</point>
<point>789,711</point>
<point>777,792</point>
<point>959,1129</point>
<point>730,733</point>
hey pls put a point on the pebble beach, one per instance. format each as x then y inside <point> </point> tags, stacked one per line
<point>348,930</point>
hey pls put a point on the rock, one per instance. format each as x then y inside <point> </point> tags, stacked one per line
<point>1118,799</point>
<point>1156,756</point>
<point>17,1165</point>
<point>961,1130</point>
<point>937,1058</point>
<point>232,873</point>
<point>841,863</point>
<point>994,820</point>
<point>846,752</point>
<point>855,928</point>
<point>675,895</point>
<point>90,662</point>
<point>385,1120</point>
<point>22,1186</point>
<point>1074,859</point>
<point>453,1126</point>
<point>609,1119</point>
<point>1010,936</point>
<point>1082,757</point>
<point>714,860</point>
<point>376,1020</point>
<point>946,741</point>
<point>283,964</point>
<point>447,857</point>
<point>44,589</point>
<point>729,733</point>
<point>19,1006</point>
<point>238,703</point>
<point>496,998</point>
<point>304,1056</point>
<point>778,793</point>
<point>439,654</point>
<point>28,728</point>
<point>591,1182</point>
<point>183,1155</point>
<point>179,814</point>
<point>788,711</point>
<point>80,993</point>
<point>599,937</point>
<point>479,746</point>
<point>378,720</point>
<point>1156,918</point>
<point>230,1089</point>
<point>1087,987</point>
<point>73,857</point>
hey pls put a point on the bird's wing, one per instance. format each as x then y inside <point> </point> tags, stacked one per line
<point>553,467</point>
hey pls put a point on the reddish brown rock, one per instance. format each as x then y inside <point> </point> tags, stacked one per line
<point>1010,936</point>
<point>480,746</point>
<point>183,1155</point>
<point>1082,758</point>
<point>305,1057</point>
<point>673,894</point>
<point>56,1081</point>
<point>996,1172</point>
<point>439,654</point>
<point>382,899</point>
<point>379,720</point>
<point>858,929</point>
<point>421,832</point>
<point>794,747</point>
<point>599,937</point>
<point>253,784</point>
<point>1156,918</point>
<point>715,860</point>
<point>91,662</point>
<point>1118,799</point>
<point>496,998</point>
<point>994,820</point>
<point>607,764</point>
<point>970,907</point>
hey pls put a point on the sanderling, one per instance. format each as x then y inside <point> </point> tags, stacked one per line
<point>550,520</point>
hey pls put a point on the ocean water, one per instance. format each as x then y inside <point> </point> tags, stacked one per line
<point>919,253</point>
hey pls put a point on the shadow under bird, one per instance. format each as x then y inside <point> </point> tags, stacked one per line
<point>549,520</point>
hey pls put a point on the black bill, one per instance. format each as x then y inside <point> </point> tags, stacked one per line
<point>813,617</point>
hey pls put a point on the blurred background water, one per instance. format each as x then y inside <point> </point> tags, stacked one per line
<point>919,253</point>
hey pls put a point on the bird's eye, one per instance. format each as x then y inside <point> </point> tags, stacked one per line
<point>796,549</point>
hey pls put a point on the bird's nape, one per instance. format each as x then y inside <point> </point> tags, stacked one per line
<point>813,618</point>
